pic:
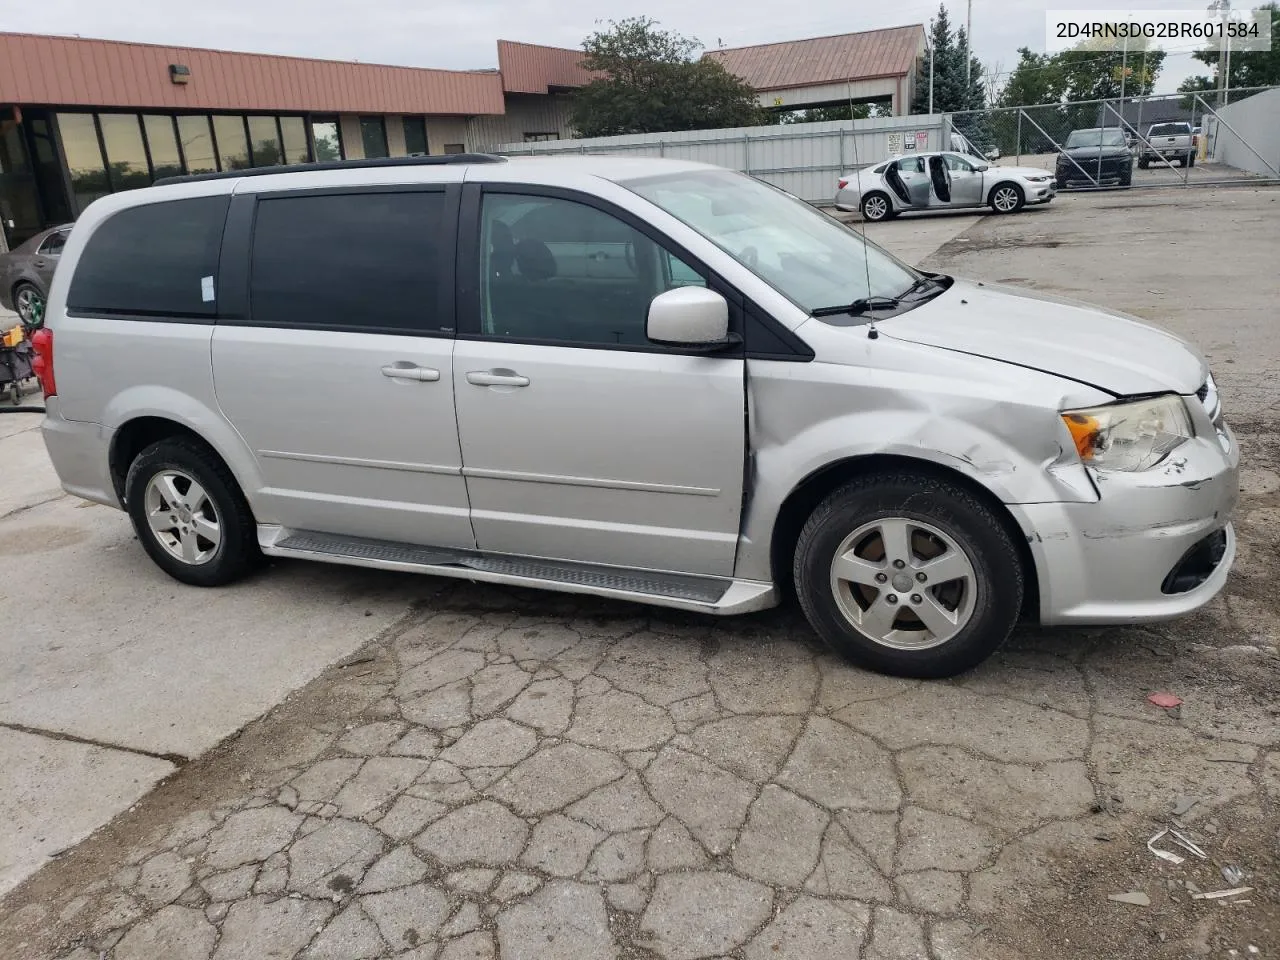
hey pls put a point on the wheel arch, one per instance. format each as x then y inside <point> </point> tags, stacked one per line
<point>136,434</point>
<point>812,489</point>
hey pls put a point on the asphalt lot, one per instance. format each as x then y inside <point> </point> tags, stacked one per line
<point>477,771</point>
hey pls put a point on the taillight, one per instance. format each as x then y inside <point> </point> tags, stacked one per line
<point>42,362</point>
<point>841,184</point>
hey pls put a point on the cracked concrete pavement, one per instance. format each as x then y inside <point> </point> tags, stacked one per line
<point>507,774</point>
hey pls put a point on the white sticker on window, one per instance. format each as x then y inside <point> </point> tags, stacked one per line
<point>206,289</point>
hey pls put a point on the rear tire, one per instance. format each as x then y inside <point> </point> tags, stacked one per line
<point>1191,160</point>
<point>937,515</point>
<point>1143,163</point>
<point>190,515</point>
<point>877,207</point>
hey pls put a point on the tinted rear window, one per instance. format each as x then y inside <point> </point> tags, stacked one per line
<point>159,260</point>
<point>1169,130</point>
<point>351,261</point>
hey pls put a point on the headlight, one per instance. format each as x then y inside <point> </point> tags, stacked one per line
<point>1129,436</point>
<point>1037,179</point>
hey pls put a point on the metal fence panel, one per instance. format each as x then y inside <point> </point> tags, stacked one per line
<point>805,159</point>
<point>1036,136</point>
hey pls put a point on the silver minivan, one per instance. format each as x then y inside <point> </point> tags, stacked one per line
<point>651,380</point>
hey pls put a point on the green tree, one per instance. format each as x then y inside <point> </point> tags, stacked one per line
<point>1035,79</point>
<point>951,93</point>
<point>1249,68</point>
<point>841,111</point>
<point>653,81</point>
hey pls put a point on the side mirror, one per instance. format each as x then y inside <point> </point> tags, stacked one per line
<point>689,317</point>
<point>983,166</point>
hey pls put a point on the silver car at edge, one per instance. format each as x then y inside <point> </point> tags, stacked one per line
<point>643,379</point>
<point>940,181</point>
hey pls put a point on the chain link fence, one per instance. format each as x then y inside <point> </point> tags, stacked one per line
<point>1125,142</point>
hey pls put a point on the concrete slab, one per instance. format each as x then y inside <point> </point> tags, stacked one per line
<point>109,648</point>
<point>54,793</point>
<point>28,476</point>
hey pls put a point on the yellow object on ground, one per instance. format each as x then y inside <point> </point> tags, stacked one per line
<point>13,337</point>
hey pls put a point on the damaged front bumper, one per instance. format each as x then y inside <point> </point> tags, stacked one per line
<point>1156,544</point>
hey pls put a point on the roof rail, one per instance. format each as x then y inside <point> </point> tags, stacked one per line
<point>415,161</point>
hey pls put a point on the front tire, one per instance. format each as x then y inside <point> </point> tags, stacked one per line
<point>877,207</point>
<point>1007,198</point>
<point>190,515</point>
<point>909,575</point>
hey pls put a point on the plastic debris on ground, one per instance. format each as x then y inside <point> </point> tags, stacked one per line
<point>1220,894</point>
<point>1166,700</point>
<point>1233,874</point>
<point>1137,898</point>
<point>1164,854</point>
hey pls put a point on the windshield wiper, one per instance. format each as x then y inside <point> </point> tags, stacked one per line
<point>858,308</point>
<point>920,284</point>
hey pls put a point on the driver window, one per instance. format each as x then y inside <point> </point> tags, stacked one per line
<point>558,270</point>
<point>956,162</point>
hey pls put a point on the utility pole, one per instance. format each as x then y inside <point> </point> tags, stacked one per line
<point>968,46</point>
<point>1224,50</point>
<point>931,77</point>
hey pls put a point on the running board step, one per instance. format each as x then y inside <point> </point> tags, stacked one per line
<point>646,585</point>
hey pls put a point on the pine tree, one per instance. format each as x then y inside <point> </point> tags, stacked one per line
<point>950,92</point>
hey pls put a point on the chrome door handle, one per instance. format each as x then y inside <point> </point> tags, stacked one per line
<point>410,371</point>
<point>495,378</point>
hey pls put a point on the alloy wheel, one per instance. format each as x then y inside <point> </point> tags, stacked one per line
<point>875,208</point>
<point>903,583</point>
<point>1006,199</point>
<point>30,305</point>
<point>182,517</point>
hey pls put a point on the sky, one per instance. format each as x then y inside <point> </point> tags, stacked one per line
<point>461,34</point>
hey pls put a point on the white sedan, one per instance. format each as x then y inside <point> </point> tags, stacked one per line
<point>941,181</point>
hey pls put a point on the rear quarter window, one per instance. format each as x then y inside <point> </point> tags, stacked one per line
<point>156,260</point>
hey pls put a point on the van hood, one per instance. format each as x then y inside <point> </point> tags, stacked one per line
<point>1111,351</point>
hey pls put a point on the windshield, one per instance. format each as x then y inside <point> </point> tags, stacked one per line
<point>811,259</point>
<point>1112,137</point>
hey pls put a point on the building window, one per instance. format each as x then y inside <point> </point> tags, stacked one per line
<point>373,133</point>
<point>541,137</point>
<point>415,135</point>
<point>328,139</point>
<point>126,157</point>
<point>197,144</point>
<point>233,145</point>
<point>84,158</point>
<point>264,142</point>
<point>294,132</point>
<point>163,146</point>
<point>455,148</point>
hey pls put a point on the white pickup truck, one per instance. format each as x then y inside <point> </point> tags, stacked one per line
<point>1168,141</point>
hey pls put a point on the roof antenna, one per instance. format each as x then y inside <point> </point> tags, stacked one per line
<point>872,333</point>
